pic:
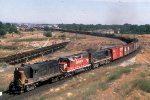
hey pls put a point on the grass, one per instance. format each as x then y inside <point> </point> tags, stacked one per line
<point>142,74</point>
<point>3,64</point>
<point>115,75</point>
<point>142,84</point>
<point>125,89</point>
<point>8,47</point>
<point>3,87</point>
<point>136,98</point>
<point>103,86</point>
<point>91,91</point>
<point>29,40</point>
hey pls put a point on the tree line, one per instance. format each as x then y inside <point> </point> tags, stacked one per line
<point>126,28</point>
<point>7,28</point>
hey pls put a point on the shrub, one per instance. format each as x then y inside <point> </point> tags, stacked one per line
<point>8,47</point>
<point>125,89</point>
<point>29,40</point>
<point>102,86</point>
<point>63,36</point>
<point>48,33</point>
<point>3,64</point>
<point>118,73</point>
<point>142,84</point>
<point>91,91</point>
<point>142,74</point>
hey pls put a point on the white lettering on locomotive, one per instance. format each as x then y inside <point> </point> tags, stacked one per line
<point>87,60</point>
<point>79,61</point>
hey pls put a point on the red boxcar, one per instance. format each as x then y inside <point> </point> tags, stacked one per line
<point>74,62</point>
<point>126,49</point>
<point>117,52</point>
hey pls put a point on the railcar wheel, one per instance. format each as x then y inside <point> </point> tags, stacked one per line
<point>96,65</point>
<point>29,87</point>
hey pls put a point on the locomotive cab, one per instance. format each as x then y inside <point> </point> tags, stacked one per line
<point>18,83</point>
<point>63,64</point>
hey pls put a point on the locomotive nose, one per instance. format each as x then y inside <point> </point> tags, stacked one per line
<point>17,85</point>
<point>19,76</point>
<point>63,67</point>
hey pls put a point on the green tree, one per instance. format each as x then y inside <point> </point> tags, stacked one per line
<point>48,33</point>
<point>46,28</point>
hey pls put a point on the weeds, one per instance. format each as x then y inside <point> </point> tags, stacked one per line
<point>29,40</point>
<point>102,86</point>
<point>136,98</point>
<point>91,91</point>
<point>142,74</point>
<point>87,95</point>
<point>142,84</point>
<point>125,89</point>
<point>118,73</point>
<point>134,65</point>
<point>3,64</point>
<point>8,47</point>
<point>3,87</point>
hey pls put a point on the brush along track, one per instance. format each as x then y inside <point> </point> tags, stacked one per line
<point>29,55</point>
<point>47,86</point>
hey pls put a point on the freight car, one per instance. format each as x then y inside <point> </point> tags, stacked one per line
<point>28,76</point>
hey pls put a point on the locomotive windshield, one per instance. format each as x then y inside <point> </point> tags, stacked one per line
<point>63,60</point>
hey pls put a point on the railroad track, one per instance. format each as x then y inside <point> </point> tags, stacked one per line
<point>29,55</point>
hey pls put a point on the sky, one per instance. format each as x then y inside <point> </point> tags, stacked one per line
<point>75,11</point>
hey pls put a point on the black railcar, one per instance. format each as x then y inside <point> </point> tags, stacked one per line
<point>28,76</point>
<point>100,57</point>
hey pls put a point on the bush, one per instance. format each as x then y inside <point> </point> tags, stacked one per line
<point>63,36</point>
<point>125,89</point>
<point>142,84</point>
<point>3,64</point>
<point>142,74</point>
<point>48,33</point>
<point>29,40</point>
<point>102,86</point>
<point>118,73</point>
<point>8,47</point>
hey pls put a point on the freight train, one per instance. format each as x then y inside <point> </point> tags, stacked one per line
<point>28,76</point>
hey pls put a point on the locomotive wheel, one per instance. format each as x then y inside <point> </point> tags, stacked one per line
<point>96,65</point>
<point>29,87</point>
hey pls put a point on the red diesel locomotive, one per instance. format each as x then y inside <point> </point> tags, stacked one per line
<point>74,62</point>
